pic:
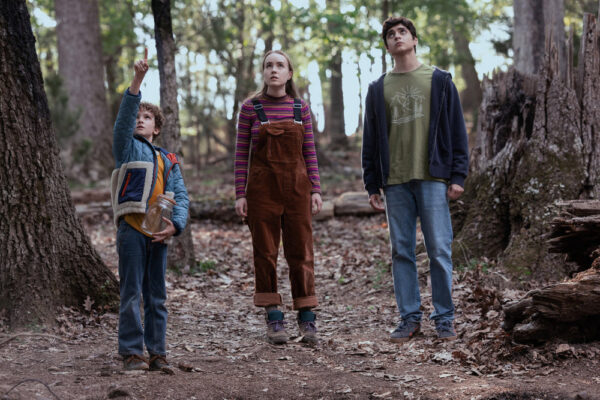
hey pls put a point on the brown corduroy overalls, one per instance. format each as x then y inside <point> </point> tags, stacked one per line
<point>279,201</point>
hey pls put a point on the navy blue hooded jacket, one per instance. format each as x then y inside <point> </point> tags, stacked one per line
<point>448,143</point>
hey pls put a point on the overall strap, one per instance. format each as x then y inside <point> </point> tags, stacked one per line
<point>298,111</point>
<point>260,112</point>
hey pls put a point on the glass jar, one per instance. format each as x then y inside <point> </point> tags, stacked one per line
<point>162,207</point>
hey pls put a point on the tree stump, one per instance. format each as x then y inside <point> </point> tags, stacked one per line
<point>538,142</point>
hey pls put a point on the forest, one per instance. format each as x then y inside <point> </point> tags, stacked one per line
<point>526,230</point>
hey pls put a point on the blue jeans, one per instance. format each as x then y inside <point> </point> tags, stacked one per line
<point>142,266</point>
<point>428,201</point>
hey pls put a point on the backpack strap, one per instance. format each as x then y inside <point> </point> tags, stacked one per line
<point>260,112</point>
<point>297,111</point>
<point>174,160</point>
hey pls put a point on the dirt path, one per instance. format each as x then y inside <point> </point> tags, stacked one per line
<point>215,329</point>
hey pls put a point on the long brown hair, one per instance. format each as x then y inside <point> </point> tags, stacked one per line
<point>290,86</point>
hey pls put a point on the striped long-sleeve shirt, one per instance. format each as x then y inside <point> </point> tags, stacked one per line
<point>276,109</point>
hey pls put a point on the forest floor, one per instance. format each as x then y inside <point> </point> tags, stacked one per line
<point>216,337</point>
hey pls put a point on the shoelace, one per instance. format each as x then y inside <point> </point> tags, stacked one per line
<point>309,326</point>
<point>134,357</point>
<point>277,325</point>
<point>159,359</point>
<point>402,325</point>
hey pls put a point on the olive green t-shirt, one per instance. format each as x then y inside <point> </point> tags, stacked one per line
<point>407,101</point>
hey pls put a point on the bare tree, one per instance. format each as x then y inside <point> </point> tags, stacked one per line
<point>181,251</point>
<point>47,259</point>
<point>334,119</point>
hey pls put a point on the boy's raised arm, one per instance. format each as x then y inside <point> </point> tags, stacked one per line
<point>140,67</point>
<point>125,123</point>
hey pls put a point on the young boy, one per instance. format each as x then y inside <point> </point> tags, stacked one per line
<point>143,172</point>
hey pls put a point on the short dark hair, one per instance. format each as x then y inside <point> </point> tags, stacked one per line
<point>159,118</point>
<point>393,21</point>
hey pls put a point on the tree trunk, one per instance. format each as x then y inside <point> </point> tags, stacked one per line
<point>554,15</point>
<point>470,97</point>
<point>537,142</point>
<point>528,36</point>
<point>81,66</point>
<point>181,250</point>
<point>334,117</point>
<point>534,21</point>
<point>385,13</point>
<point>48,261</point>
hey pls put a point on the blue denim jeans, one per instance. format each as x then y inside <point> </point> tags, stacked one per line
<point>142,266</point>
<point>428,201</point>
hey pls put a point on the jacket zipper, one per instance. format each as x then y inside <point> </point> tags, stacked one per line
<point>126,184</point>
<point>437,121</point>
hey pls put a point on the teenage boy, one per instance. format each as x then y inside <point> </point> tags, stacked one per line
<point>415,150</point>
<point>143,172</point>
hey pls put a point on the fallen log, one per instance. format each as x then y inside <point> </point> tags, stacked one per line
<point>576,231</point>
<point>92,204</point>
<point>569,310</point>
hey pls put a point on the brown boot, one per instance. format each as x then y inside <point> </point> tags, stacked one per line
<point>159,363</point>
<point>135,362</point>
<point>276,333</point>
<point>307,326</point>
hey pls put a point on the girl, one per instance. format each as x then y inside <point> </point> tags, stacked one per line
<point>278,192</point>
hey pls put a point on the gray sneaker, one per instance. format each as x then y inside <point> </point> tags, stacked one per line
<point>276,333</point>
<point>405,331</point>
<point>445,330</point>
<point>307,327</point>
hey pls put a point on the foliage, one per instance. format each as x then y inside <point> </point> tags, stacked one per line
<point>221,43</point>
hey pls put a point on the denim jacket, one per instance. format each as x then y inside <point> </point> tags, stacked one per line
<point>136,166</point>
<point>448,144</point>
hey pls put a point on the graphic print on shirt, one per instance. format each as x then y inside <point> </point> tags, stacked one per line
<point>407,105</point>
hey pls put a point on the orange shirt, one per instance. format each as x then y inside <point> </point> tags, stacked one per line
<point>135,220</point>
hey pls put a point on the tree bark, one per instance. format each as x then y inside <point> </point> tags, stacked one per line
<point>81,66</point>
<point>470,97</point>
<point>48,261</point>
<point>576,231</point>
<point>537,143</point>
<point>181,250</point>
<point>534,21</point>
<point>385,13</point>
<point>528,36</point>
<point>334,117</point>
<point>568,310</point>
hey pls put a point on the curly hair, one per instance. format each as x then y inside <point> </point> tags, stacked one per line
<point>159,118</point>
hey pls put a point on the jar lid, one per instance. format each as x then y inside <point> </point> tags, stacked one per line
<point>169,199</point>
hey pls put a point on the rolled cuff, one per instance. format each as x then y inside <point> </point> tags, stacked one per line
<point>267,299</point>
<point>305,302</point>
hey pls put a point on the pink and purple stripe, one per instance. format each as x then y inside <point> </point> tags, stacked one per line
<point>247,136</point>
